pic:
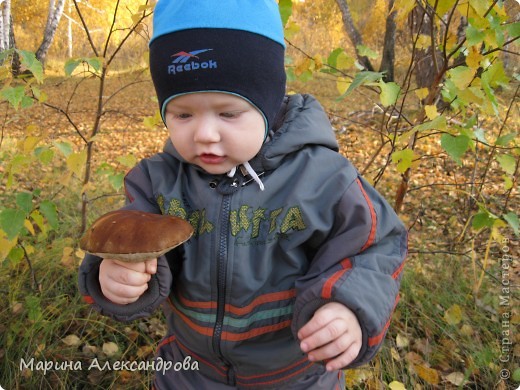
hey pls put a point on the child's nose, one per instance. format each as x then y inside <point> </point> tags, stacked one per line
<point>207,131</point>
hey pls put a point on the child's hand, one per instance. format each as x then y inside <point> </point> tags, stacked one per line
<point>124,283</point>
<point>332,333</point>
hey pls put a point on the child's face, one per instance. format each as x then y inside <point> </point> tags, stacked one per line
<point>215,131</point>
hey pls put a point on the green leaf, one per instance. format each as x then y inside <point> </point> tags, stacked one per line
<point>27,101</point>
<point>516,375</point>
<point>365,51</point>
<point>24,201</point>
<point>34,310</point>
<point>513,29</point>
<point>94,62</point>
<point>29,61</point>
<point>507,162</point>
<point>495,75</point>
<point>44,154</point>
<point>455,146</point>
<point>462,76</point>
<point>512,219</point>
<point>14,95</point>
<point>404,159</point>
<point>362,78</point>
<point>482,220</point>
<point>389,93</point>
<point>474,36</point>
<point>508,182</point>
<point>64,147</point>
<point>16,255</point>
<point>438,123</point>
<point>128,161</point>
<point>11,222</point>
<point>116,181</point>
<point>49,211</point>
<point>339,59</point>
<point>71,65</point>
<point>285,7</point>
<point>505,139</point>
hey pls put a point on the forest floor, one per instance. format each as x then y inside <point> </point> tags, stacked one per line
<point>451,328</point>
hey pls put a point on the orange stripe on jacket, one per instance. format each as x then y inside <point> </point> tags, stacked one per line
<point>373,217</point>
<point>229,336</point>
<point>262,299</point>
<point>378,338</point>
<point>326,291</point>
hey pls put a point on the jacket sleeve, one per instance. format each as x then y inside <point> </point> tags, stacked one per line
<point>139,197</point>
<point>359,265</point>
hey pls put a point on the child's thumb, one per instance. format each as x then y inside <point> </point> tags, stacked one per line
<point>151,266</point>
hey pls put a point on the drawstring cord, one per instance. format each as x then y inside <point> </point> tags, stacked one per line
<point>249,170</point>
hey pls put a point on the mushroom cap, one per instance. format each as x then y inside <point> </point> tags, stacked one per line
<point>134,236</point>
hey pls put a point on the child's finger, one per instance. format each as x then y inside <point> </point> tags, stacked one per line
<point>123,294</point>
<point>334,330</point>
<point>125,273</point>
<point>345,358</point>
<point>333,349</point>
<point>321,319</point>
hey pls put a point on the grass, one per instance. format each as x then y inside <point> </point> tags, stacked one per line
<point>443,333</point>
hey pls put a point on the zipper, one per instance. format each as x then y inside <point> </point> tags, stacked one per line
<point>222,259</point>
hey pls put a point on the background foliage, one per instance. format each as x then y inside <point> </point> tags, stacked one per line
<point>444,149</point>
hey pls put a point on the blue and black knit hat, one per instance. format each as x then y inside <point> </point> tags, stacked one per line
<point>231,46</point>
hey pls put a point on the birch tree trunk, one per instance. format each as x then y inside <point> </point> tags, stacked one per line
<point>353,33</point>
<point>5,20</point>
<point>54,16</point>
<point>388,60</point>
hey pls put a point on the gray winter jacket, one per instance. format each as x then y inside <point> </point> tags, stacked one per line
<point>262,262</point>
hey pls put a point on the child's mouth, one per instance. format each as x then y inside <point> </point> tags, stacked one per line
<point>207,158</point>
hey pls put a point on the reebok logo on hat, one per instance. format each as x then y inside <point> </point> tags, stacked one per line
<point>180,63</point>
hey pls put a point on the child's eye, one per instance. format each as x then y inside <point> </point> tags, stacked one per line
<point>182,116</point>
<point>230,115</point>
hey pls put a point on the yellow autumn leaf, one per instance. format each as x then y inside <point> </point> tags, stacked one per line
<point>318,62</point>
<point>71,340</point>
<point>29,249</point>
<point>456,378</point>
<point>403,8</point>
<point>423,42</point>
<point>66,257</point>
<point>395,385</point>
<point>453,315</point>
<point>6,245</point>
<point>474,57</point>
<point>30,143</point>
<point>422,93</point>
<point>342,84</point>
<point>462,76</point>
<point>303,66</point>
<point>427,374</point>
<point>395,354</point>
<point>32,129</point>
<point>76,162</point>
<point>401,341</point>
<point>344,61</point>
<point>110,348</point>
<point>431,111</point>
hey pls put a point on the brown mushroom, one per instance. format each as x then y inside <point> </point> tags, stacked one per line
<point>134,236</point>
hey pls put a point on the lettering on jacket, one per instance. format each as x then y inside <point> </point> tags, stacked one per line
<point>261,224</point>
